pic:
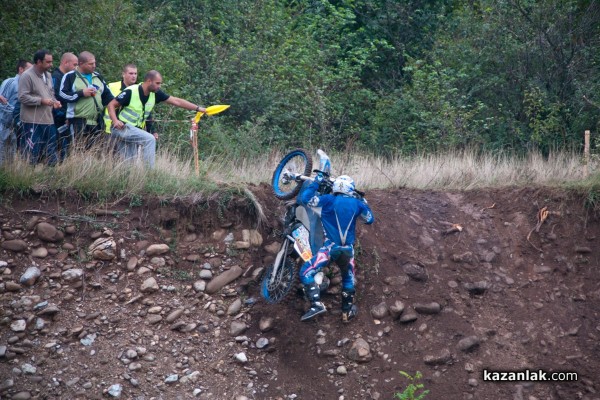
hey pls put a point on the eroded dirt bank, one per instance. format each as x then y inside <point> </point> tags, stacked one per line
<point>177,312</point>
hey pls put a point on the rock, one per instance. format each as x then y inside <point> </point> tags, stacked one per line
<point>360,351</point>
<point>235,307</point>
<point>156,249</point>
<point>341,370</point>
<point>18,325</point>
<point>199,286</point>
<point>16,245</point>
<point>396,309</point>
<point>49,311</point>
<point>21,396</point>
<point>241,358</point>
<point>466,257</point>
<point>237,328</point>
<point>205,274</point>
<point>379,311</point>
<point>72,275</point>
<point>223,279</point>
<point>40,252</point>
<point>427,308</point>
<point>88,340</point>
<point>582,250</point>
<point>261,343</point>
<point>174,315</point>
<point>272,248</point>
<point>115,390</point>
<point>48,232</point>
<point>239,245</point>
<point>149,286</point>
<point>30,276</point>
<point>439,359</point>
<point>256,238</point>
<point>103,248</point>
<point>468,344</point>
<point>132,263</point>
<point>409,315</point>
<point>415,272</point>
<point>477,288</point>
<point>266,324</point>
<point>12,286</point>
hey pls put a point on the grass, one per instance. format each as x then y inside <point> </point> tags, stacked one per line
<point>101,176</point>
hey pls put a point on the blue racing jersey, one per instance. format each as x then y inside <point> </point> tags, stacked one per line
<point>338,213</point>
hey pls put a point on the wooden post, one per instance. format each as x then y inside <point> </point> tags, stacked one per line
<point>194,137</point>
<point>586,154</point>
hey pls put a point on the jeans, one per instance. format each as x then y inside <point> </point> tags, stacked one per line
<point>128,140</point>
<point>8,143</point>
<point>40,142</point>
<point>85,135</point>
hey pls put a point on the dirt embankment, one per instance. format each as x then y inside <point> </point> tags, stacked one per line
<point>165,305</point>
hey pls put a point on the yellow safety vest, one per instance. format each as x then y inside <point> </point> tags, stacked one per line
<point>136,113</point>
<point>115,89</point>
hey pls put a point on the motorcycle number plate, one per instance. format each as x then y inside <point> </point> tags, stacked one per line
<point>302,243</point>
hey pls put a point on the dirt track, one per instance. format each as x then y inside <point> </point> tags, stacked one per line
<point>497,295</point>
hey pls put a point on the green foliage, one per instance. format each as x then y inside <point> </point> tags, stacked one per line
<point>414,387</point>
<point>383,76</point>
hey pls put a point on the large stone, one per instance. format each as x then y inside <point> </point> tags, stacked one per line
<point>428,308</point>
<point>48,232</point>
<point>156,249</point>
<point>397,308</point>
<point>468,344</point>
<point>234,307</point>
<point>380,310</point>
<point>237,328</point>
<point>416,272</point>
<point>30,276</point>
<point>438,359</point>
<point>103,248</point>
<point>16,245</point>
<point>226,277</point>
<point>72,275</point>
<point>149,286</point>
<point>360,351</point>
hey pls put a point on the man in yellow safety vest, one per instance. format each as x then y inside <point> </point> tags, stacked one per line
<point>135,105</point>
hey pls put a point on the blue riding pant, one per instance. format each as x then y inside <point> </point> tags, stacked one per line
<point>343,256</point>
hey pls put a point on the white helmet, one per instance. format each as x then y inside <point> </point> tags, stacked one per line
<point>343,184</point>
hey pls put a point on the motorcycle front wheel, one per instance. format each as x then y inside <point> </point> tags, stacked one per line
<point>297,162</point>
<point>275,287</point>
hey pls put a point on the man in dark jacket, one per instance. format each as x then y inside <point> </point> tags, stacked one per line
<point>68,62</point>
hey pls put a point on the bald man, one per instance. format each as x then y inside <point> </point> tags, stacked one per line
<point>135,105</point>
<point>86,94</point>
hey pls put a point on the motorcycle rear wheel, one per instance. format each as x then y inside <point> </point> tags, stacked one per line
<point>274,292</point>
<point>296,161</point>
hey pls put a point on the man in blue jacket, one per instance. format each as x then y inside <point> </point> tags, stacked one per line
<point>339,212</point>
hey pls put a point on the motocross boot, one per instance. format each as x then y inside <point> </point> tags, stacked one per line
<point>349,310</point>
<point>316,307</point>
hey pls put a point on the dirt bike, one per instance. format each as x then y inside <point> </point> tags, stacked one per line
<point>302,234</point>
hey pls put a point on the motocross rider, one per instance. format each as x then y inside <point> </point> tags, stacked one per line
<point>339,212</point>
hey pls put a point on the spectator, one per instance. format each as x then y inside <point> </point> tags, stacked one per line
<point>86,94</point>
<point>37,101</point>
<point>136,103</point>
<point>129,78</point>
<point>9,93</point>
<point>68,62</point>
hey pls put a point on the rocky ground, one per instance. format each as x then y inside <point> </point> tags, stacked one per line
<point>157,299</point>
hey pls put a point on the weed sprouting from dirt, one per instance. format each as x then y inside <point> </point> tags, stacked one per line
<point>411,392</point>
